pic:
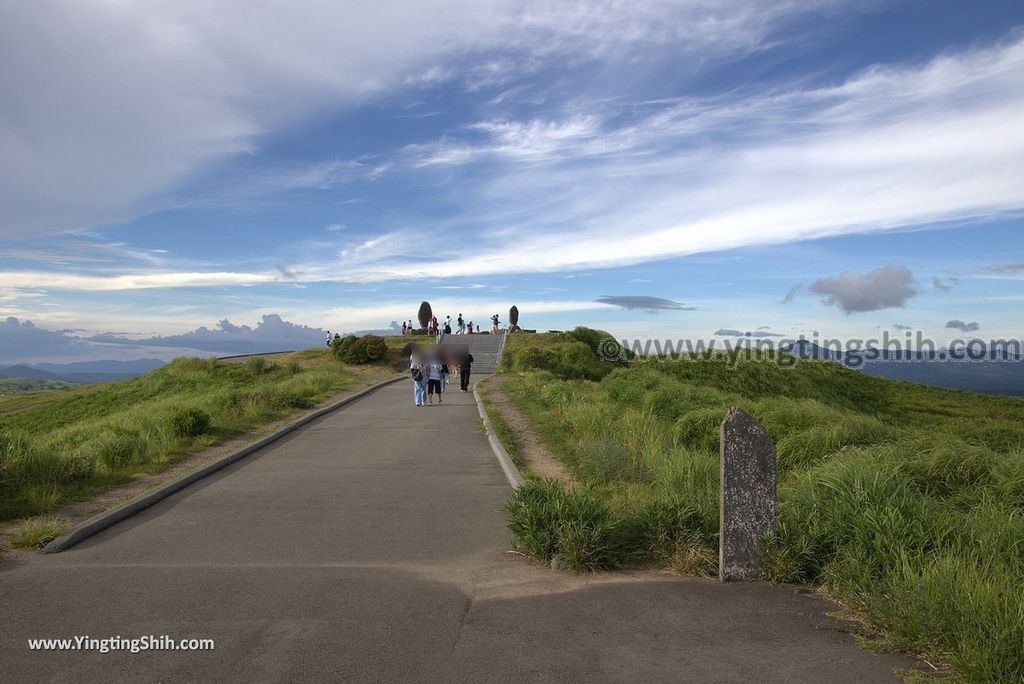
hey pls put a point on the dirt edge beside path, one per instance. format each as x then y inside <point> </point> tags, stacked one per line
<point>539,459</point>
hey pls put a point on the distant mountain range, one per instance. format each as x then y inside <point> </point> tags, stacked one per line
<point>1005,375</point>
<point>81,372</point>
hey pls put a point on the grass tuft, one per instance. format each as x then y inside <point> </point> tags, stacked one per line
<point>36,533</point>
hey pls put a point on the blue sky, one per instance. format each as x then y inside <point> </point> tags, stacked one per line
<point>168,165</point>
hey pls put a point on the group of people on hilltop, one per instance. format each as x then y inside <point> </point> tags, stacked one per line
<point>432,369</point>
<point>461,326</point>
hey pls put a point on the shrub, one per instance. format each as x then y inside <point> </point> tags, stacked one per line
<point>190,422</point>
<point>340,346</point>
<point>367,349</point>
<point>564,355</point>
<point>602,344</point>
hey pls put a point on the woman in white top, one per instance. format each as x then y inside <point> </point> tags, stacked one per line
<point>419,378</point>
<point>433,373</point>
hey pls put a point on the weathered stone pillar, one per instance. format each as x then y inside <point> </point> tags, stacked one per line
<point>747,497</point>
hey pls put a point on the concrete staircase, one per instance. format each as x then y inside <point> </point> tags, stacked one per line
<point>486,349</point>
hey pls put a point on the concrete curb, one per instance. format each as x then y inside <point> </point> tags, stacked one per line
<point>107,519</point>
<point>512,474</point>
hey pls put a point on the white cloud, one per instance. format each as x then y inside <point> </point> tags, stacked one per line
<point>106,105</point>
<point>140,281</point>
<point>888,148</point>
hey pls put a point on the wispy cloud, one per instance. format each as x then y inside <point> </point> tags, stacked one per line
<point>1005,268</point>
<point>792,292</point>
<point>962,326</point>
<point>888,148</point>
<point>643,303</point>
<point>142,281</point>
<point>732,332</point>
<point>197,86</point>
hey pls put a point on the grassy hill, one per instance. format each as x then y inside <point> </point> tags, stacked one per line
<point>906,501</point>
<point>9,386</point>
<point>59,447</point>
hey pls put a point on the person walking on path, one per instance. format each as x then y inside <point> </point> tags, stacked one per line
<point>446,365</point>
<point>419,378</point>
<point>433,372</point>
<point>465,363</point>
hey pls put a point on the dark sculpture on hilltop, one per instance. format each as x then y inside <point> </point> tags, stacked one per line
<point>424,315</point>
<point>513,319</point>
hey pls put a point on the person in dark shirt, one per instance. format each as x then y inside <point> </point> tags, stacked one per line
<point>465,363</point>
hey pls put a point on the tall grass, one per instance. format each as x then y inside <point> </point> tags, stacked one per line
<point>906,501</point>
<point>68,445</point>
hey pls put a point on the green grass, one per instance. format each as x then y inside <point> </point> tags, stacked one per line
<point>36,533</point>
<point>66,446</point>
<point>504,433</point>
<point>905,501</point>
<point>9,386</point>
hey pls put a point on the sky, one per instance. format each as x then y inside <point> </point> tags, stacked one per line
<point>672,169</point>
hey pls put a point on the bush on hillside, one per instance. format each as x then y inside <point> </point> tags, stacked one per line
<point>364,350</point>
<point>190,422</point>
<point>340,345</point>
<point>602,344</point>
<point>563,354</point>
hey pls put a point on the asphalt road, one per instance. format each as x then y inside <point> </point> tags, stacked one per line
<point>371,546</point>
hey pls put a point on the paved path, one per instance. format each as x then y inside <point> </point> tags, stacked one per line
<point>371,546</point>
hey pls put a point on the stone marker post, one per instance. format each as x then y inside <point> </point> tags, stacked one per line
<point>747,497</point>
